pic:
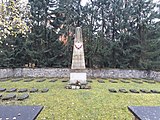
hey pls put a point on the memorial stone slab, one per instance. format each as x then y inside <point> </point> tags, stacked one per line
<point>11,90</point>
<point>68,87</point>
<point>33,90</point>
<point>137,81</point>
<point>22,97</point>
<point>155,91</point>
<point>112,90</point>
<point>134,91</point>
<point>87,87</point>
<point>44,90</point>
<point>9,97</point>
<point>151,82</point>
<point>28,80</point>
<point>101,81</point>
<point>64,80</point>
<point>22,90</point>
<point>123,90</point>
<point>4,80</point>
<point>52,80</point>
<point>113,81</point>
<point>16,80</point>
<point>2,89</point>
<point>125,81</point>
<point>90,81</point>
<point>41,80</point>
<point>145,112</point>
<point>20,112</point>
<point>145,91</point>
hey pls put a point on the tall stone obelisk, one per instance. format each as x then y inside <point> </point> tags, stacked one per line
<point>78,72</point>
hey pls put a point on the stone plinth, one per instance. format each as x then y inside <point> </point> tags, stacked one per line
<point>81,77</point>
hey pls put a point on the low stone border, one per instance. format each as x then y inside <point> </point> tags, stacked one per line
<point>91,73</point>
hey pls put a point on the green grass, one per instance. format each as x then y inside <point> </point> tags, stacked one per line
<point>94,104</point>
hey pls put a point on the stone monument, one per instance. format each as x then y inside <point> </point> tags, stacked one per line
<point>78,69</point>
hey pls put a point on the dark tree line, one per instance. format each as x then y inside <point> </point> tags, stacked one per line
<point>116,33</point>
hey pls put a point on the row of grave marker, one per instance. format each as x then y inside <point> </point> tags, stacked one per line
<point>12,96</point>
<point>90,81</point>
<point>26,80</point>
<point>127,81</point>
<point>32,90</point>
<point>122,90</point>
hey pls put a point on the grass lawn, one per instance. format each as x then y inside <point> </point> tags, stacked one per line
<point>94,104</point>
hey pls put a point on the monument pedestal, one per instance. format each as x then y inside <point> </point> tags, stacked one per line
<point>78,77</point>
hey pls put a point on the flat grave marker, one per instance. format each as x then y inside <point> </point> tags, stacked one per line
<point>9,97</point>
<point>155,91</point>
<point>33,90</point>
<point>90,81</point>
<point>112,90</point>
<point>52,80</point>
<point>23,96</point>
<point>19,112</point>
<point>145,91</point>
<point>16,80</point>
<point>44,90</point>
<point>65,80</point>
<point>137,81</point>
<point>101,81</point>
<point>134,91</point>
<point>29,80</point>
<point>113,81</point>
<point>145,112</point>
<point>2,89</point>
<point>4,80</point>
<point>22,90</point>
<point>41,80</point>
<point>11,90</point>
<point>125,81</point>
<point>122,90</point>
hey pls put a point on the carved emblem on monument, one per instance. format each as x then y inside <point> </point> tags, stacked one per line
<point>78,45</point>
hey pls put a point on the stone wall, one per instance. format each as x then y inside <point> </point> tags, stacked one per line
<point>94,73</point>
